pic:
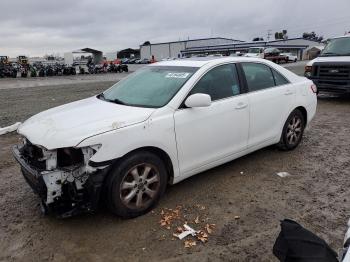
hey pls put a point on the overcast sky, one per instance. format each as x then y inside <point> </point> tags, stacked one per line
<point>39,27</point>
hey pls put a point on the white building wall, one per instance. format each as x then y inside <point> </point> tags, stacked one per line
<point>175,48</point>
<point>209,42</point>
<point>145,51</point>
<point>172,49</point>
<point>160,51</point>
<point>68,58</point>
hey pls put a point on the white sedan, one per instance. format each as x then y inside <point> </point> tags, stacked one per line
<point>291,57</point>
<point>162,124</point>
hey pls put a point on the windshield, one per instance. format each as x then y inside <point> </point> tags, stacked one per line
<point>337,47</point>
<point>152,86</point>
<point>254,50</point>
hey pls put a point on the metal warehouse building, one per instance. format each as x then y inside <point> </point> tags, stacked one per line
<point>293,45</point>
<point>221,45</point>
<point>175,49</point>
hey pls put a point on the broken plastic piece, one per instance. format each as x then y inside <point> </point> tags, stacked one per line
<point>283,174</point>
<point>189,231</point>
<point>8,129</point>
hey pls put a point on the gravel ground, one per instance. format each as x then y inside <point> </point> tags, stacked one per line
<point>316,195</point>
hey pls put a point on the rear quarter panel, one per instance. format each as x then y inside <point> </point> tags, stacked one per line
<point>306,98</point>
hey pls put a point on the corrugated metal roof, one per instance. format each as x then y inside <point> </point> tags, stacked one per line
<point>190,40</point>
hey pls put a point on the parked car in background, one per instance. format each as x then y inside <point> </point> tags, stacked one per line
<point>132,60</point>
<point>257,52</point>
<point>330,71</point>
<point>160,125</point>
<point>145,61</point>
<point>271,53</point>
<point>124,60</point>
<point>274,55</point>
<point>291,57</point>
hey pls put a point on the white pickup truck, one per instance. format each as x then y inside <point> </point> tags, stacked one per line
<point>331,70</point>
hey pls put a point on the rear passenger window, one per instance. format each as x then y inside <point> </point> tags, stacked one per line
<point>219,83</point>
<point>279,79</point>
<point>258,76</point>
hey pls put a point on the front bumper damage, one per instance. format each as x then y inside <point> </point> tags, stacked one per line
<point>64,192</point>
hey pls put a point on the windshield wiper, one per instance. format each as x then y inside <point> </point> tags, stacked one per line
<point>101,96</point>
<point>329,54</point>
<point>116,100</point>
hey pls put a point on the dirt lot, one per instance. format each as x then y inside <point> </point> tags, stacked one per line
<point>316,195</point>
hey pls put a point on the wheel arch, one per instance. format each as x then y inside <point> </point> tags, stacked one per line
<point>160,153</point>
<point>303,111</point>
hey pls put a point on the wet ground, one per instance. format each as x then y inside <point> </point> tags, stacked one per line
<point>245,198</point>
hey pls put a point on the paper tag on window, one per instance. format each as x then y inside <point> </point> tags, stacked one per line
<point>177,75</point>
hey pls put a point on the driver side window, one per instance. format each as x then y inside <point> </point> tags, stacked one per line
<point>220,82</point>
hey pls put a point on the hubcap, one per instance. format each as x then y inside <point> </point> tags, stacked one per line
<point>294,130</point>
<point>140,186</point>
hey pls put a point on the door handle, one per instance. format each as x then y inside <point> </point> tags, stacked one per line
<point>241,105</point>
<point>288,92</point>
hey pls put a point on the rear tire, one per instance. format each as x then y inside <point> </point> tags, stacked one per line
<point>293,131</point>
<point>135,184</point>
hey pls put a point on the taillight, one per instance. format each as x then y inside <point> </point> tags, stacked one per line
<point>314,88</point>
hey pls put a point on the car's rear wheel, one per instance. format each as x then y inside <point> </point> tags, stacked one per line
<point>293,131</point>
<point>136,184</point>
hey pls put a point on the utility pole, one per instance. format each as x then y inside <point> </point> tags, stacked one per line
<point>269,34</point>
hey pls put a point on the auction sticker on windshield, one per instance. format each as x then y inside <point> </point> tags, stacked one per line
<point>177,75</point>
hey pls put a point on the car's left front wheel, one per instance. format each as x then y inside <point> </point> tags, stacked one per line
<point>136,184</point>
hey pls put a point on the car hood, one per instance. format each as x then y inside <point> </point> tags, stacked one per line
<point>68,125</point>
<point>327,59</point>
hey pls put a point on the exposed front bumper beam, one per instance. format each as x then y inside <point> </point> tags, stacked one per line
<point>59,197</point>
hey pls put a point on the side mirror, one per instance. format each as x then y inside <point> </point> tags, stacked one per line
<point>198,100</point>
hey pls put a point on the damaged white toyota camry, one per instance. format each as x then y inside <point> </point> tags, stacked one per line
<point>162,124</point>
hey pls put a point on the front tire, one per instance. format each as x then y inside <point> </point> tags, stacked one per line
<point>293,131</point>
<point>135,184</point>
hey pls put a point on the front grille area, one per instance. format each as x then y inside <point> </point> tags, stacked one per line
<point>332,72</point>
<point>36,183</point>
<point>32,153</point>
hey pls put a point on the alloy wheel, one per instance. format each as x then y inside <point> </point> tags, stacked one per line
<point>140,186</point>
<point>294,130</point>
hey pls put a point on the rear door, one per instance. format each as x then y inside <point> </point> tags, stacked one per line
<point>270,97</point>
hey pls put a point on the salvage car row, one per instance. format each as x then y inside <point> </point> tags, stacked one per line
<point>11,69</point>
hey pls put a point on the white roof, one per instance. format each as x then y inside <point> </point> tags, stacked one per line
<point>201,61</point>
<point>342,36</point>
<point>212,61</point>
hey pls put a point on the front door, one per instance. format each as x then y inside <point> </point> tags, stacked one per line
<point>208,134</point>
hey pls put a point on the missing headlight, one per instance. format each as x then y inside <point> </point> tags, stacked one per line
<point>69,157</point>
